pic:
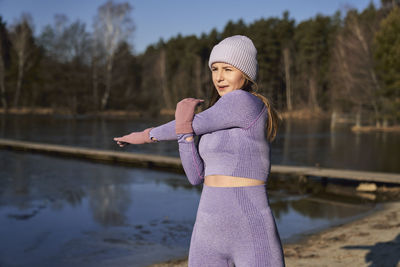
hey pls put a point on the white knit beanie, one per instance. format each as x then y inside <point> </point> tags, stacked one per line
<point>238,51</point>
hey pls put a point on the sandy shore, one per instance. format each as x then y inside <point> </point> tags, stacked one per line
<point>371,241</point>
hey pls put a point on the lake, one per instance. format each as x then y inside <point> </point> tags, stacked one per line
<point>60,211</point>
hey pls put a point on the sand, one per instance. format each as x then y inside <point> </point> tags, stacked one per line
<point>372,241</point>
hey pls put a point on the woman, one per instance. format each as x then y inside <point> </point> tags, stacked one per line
<point>234,223</point>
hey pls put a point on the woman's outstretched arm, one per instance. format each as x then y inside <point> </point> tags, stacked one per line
<point>136,138</point>
<point>164,132</point>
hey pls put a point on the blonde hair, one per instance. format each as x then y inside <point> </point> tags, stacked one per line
<point>274,117</point>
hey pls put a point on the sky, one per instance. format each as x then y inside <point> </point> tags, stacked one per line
<point>155,19</point>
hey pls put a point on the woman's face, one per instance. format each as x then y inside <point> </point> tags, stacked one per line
<point>226,78</point>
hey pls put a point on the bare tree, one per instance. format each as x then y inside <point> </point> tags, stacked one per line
<point>390,4</point>
<point>354,76</point>
<point>23,44</point>
<point>66,45</point>
<point>51,38</point>
<point>112,25</point>
<point>76,42</point>
<point>95,59</point>
<point>66,42</point>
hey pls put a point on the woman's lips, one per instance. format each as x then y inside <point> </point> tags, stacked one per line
<point>222,87</point>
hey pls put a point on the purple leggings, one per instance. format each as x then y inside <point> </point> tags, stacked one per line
<point>235,227</point>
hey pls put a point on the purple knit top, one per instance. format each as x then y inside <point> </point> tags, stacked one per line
<point>232,139</point>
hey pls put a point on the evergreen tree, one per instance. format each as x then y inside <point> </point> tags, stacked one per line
<point>313,40</point>
<point>126,82</point>
<point>387,57</point>
<point>285,30</point>
<point>320,64</point>
<point>232,28</point>
<point>5,46</point>
<point>265,36</point>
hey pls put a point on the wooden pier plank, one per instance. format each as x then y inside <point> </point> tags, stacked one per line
<point>173,163</point>
<point>144,160</point>
<point>340,174</point>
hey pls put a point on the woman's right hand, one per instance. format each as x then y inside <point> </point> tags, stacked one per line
<point>135,138</point>
<point>184,114</point>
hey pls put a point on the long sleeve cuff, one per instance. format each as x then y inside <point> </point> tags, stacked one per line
<point>191,161</point>
<point>164,132</point>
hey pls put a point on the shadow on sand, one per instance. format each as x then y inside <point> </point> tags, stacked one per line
<point>382,254</point>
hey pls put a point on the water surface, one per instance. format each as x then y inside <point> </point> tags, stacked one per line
<point>66,212</point>
<point>298,143</point>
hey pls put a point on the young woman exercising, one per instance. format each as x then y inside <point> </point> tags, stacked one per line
<point>234,223</point>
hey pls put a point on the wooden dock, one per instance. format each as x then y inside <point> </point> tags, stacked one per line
<point>362,176</point>
<point>106,156</point>
<point>174,164</point>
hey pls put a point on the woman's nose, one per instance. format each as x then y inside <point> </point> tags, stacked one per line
<point>220,76</point>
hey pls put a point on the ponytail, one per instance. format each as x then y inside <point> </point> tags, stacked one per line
<point>273,116</point>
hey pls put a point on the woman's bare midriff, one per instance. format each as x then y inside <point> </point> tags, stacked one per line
<point>230,181</point>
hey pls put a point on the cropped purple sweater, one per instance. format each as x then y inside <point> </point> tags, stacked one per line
<point>232,139</point>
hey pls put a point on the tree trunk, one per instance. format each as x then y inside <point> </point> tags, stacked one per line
<point>286,57</point>
<point>198,81</point>
<point>376,113</point>
<point>2,85</point>
<point>106,95</point>
<point>95,82</point>
<point>312,97</point>
<point>286,141</point>
<point>385,122</point>
<point>333,119</point>
<point>358,116</point>
<point>163,79</point>
<point>19,79</point>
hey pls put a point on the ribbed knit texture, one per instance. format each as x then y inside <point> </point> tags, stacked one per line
<point>191,161</point>
<point>235,225</point>
<point>238,51</point>
<point>232,139</point>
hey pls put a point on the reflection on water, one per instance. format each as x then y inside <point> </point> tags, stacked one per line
<point>299,142</point>
<point>61,212</point>
<point>314,143</point>
<point>86,132</point>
